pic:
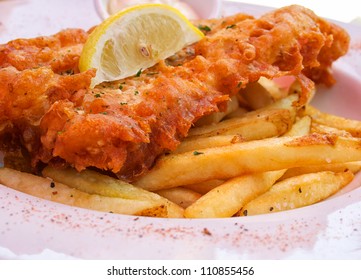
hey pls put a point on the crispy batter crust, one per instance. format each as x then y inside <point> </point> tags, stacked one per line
<point>48,107</point>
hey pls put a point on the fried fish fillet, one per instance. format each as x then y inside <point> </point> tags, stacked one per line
<point>49,110</point>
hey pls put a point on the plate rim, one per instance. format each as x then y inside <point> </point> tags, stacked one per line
<point>244,224</point>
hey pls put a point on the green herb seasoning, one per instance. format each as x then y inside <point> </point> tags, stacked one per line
<point>231,26</point>
<point>204,28</point>
<point>139,72</point>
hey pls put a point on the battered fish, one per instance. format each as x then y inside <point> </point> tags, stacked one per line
<point>48,109</point>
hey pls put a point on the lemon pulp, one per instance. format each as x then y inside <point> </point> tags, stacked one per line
<point>134,39</point>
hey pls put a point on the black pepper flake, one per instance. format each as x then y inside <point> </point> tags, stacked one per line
<point>196,153</point>
<point>271,209</point>
<point>299,190</point>
<point>52,184</point>
<point>245,213</point>
<point>239,84</point>
<point>97,95</point>
<point>120,87</point>
<point>136,92</point>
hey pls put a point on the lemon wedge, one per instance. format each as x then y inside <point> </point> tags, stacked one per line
<point>136,38</point>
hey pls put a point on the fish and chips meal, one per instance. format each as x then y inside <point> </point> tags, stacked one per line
<point>219,126</point>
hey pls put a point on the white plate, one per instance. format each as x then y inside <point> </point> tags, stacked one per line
<point>35,228</point>
<point>200,10</point>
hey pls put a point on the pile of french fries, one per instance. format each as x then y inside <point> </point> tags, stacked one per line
<point>265,154</point>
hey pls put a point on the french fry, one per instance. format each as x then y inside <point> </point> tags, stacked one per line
<point>261,93</point>
<point>297,192</point>
<point>351,126</point>
<point>95,183</point>
<point>256,96</point>
<point>180,196</point>
<point>204,187</point>
<point>300,127</point>
<point>46,188</point>
<point>271,119</point>
<point>228,198</point>
<point>289,103</point>
<point>324,129</point>
<point>254,125</point>
<point>249,157</point>
<point>274,89</point>
<point>295,88</point>
<point>353,167</point>
<point>232,105</point>
<point>197,143</point>
<point>240,112</point>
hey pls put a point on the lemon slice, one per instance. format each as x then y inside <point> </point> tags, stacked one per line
<point>134,39</point>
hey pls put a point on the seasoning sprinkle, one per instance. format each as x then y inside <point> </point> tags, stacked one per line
<point>196,153</point>
<point>52,184</point>
<point>204,28</point>
<point>139,72</point>
<point>152,73</point>
<point>230,26</point>
<point>97,95</point>
<point>206,232</point>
